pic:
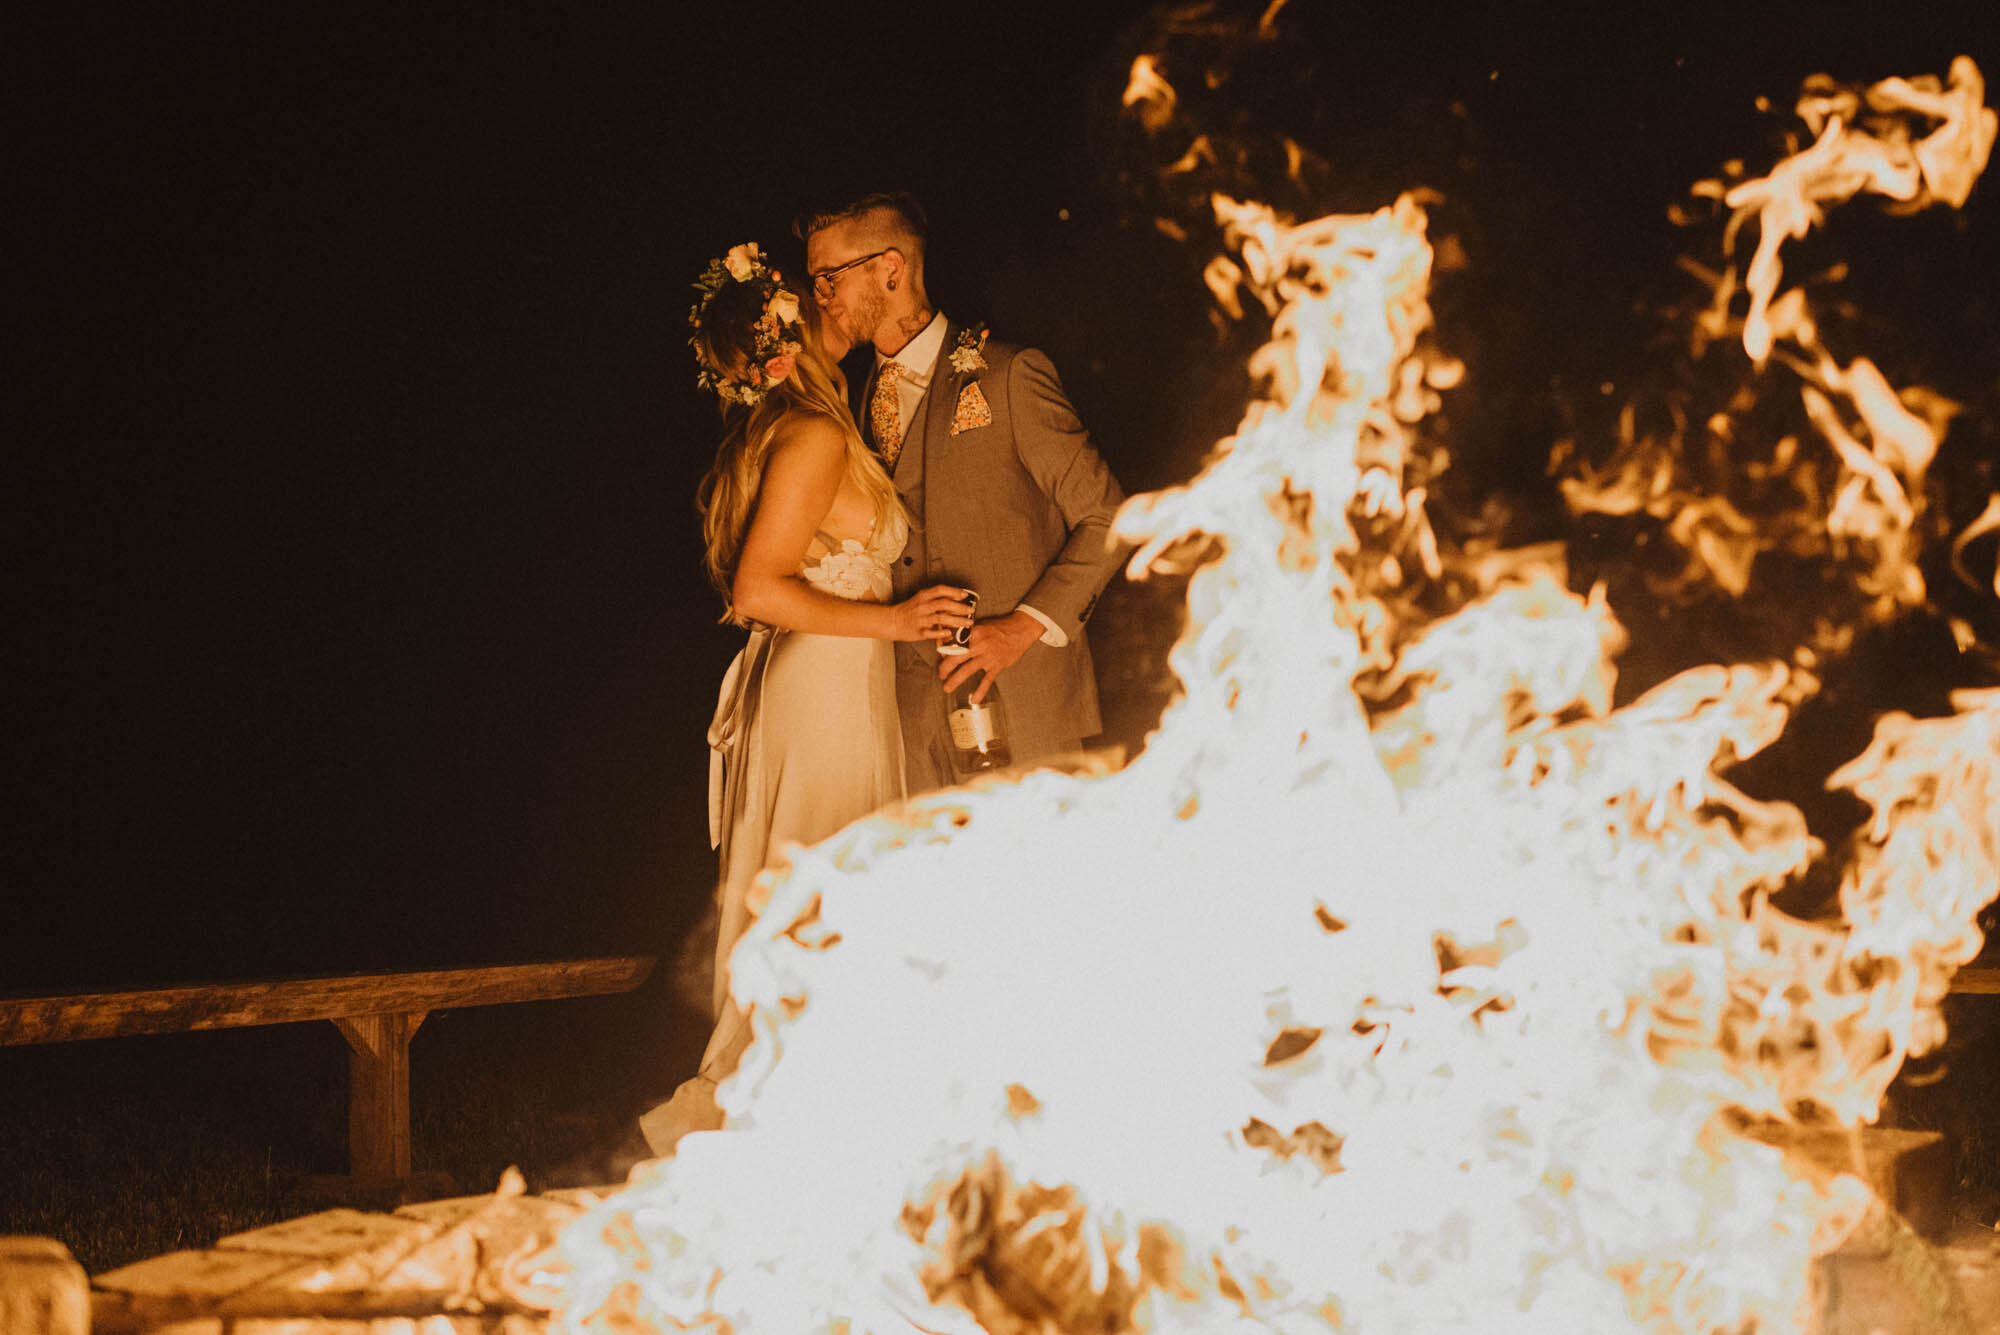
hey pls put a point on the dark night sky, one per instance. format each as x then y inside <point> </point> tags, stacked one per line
<point>353,579</point>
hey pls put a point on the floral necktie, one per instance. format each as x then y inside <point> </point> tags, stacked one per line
<point>885,416</point>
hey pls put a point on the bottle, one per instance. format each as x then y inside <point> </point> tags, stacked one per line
<point>978,731</point>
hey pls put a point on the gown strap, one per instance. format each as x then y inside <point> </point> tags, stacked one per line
<point>833,544</point>
<point>727,761</point>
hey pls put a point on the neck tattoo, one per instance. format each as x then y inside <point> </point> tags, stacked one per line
<point>915,322</point>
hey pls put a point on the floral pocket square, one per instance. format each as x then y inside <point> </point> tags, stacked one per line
<point>972,409</point>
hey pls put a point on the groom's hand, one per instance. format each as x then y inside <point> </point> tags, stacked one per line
<point>993,647</point>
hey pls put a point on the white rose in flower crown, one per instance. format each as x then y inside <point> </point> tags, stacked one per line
<point>785,306</point>
<point>741,261</point>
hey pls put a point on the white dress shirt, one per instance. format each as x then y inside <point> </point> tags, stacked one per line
<point>918,362</point>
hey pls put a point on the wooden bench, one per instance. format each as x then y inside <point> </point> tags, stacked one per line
<point>376,1012</point>
<point>1979,978</point>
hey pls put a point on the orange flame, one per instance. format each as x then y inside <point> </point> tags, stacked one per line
<point>1850,156</point>
<point>1861,501</point>
<point>1401,983</point>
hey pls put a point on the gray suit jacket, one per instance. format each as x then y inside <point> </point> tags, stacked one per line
<point>1019,509</point>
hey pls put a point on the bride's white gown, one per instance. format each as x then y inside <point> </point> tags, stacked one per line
<point>805,741</point>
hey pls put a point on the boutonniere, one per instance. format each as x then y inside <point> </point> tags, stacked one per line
<point>969,353</point>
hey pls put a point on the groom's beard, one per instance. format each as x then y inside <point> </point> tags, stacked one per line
<point>861,319</point>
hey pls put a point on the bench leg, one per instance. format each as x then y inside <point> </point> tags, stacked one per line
<point>378,1093</point>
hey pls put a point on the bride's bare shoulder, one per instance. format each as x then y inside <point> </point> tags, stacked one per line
<point>810,431</point>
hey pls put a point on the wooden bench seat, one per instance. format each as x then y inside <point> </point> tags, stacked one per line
<point>377,1013</point>
<point>1979,978</point>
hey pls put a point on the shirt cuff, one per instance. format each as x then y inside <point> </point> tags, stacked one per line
<point>1052,634</point>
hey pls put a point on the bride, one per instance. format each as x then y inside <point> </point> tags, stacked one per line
<point>801,524</point>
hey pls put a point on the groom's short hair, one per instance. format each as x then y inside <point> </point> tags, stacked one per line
<point>892,218</point>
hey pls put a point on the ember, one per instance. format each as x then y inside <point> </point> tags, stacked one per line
<point>1402,983</point>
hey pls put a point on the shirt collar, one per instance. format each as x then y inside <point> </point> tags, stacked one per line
<point>919,356</point>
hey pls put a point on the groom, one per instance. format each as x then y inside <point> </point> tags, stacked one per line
<point>1006,494</point>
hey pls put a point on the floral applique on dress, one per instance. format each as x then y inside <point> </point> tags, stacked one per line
<point>856,570</point>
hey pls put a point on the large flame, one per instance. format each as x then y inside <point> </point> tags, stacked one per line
<point>1851,492</point>
<point>1402,982</point>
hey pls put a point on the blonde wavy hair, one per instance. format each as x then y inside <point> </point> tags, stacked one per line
<point>729,492</point>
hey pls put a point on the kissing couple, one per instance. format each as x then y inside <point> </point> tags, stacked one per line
<point>845,534</point>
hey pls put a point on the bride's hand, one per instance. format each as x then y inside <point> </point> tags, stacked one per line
<point>930,614</point>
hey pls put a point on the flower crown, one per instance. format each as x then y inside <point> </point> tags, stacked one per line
<point>780,337</point>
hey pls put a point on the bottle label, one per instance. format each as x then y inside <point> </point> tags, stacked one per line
<point>973,727</point>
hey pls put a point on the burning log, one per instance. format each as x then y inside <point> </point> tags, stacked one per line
<point>1020,1258</point>
<point>471,1264</point>
<point>1025,1259</point>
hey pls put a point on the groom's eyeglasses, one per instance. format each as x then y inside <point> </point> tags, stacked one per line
<point>823,280</point>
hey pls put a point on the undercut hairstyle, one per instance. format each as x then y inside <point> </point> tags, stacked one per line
<point>883,220</point>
